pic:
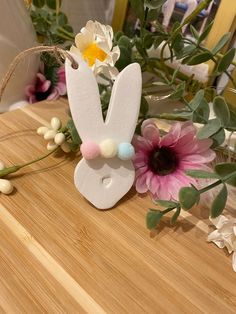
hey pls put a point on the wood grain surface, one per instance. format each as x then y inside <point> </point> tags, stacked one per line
<point>58,254</point>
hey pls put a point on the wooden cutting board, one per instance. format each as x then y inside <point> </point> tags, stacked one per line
<point>58,254</point>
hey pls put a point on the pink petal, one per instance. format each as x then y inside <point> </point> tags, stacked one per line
<point>154,185</point>
<point>44,87</point>
<point>163,192</point>
<point>141,185</point>
<point>61,87</point>
<point>172,137</point>
<point>151,133</point>
<point>141,144</point>
<point>54,95</point>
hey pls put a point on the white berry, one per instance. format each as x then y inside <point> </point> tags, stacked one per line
<point>51,145</point>
<point>50,134</point>
<point>5,186</point>
<point>42,130</point>
<point>65,147</point>
<point>2,165</point>
<point>55,123</point>
<point>59,138</point>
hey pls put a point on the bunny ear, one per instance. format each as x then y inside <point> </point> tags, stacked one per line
<point>84,99</point>
<point>124,105</point>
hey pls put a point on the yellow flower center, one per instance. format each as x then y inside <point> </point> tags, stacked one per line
<point>93,52</point>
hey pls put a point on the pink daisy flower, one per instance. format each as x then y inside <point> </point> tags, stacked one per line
<point>161,162</point>
<point>44,89</point>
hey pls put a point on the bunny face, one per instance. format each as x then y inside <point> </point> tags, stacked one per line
<point>104,181</point>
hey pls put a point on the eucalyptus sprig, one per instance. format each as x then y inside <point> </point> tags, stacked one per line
<point>225,173</point>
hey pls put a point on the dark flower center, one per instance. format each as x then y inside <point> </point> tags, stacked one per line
<point>43,95</point>
<point>162,161</point>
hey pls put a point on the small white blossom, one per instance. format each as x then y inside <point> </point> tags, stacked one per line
<point>225,235</point>
<point>54,136</point>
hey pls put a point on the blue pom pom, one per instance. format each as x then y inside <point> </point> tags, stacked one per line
<point>125,151</point>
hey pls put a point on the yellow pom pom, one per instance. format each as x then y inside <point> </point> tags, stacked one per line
<point>108,148</point>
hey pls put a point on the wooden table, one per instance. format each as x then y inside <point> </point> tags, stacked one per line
<point>58,254</point>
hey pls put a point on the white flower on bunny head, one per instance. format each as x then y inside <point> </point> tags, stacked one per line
<point>224,235</point>
<point>94,43</point>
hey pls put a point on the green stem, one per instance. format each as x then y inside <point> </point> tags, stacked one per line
<point>192,16</point>
<point>15,168</point>
<point>218,182</point>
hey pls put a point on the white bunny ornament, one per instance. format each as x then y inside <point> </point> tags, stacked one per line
<point>105,179</point>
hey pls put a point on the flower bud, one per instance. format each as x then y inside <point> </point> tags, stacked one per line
<point>51,145</point>
<point>59,138</point>
<point>65,147</point>
<point>42,130</point>
<point>5,186</point>
<point>50,134</point>
<point>55,123</point>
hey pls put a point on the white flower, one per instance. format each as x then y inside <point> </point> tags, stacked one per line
<point>225,235</point>
<point>94,43</point>
<point>54,136</point>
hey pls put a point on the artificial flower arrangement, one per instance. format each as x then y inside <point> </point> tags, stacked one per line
<point>174,167</point>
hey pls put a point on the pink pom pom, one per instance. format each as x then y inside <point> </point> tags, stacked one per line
<point>90,150</point>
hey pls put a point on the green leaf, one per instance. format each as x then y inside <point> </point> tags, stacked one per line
<point>188,197</point>
<point>205,32</point>
<point>61,19</point>
<point>182,116</point>
<point>194,32</point>
<point>201,174</point>
<point>225,169</point>
<point>232,122</point>
<point>74,134</point>
<point>221,110</point>
<point>124,41</point>
<point>200,58</point>
<point>175,216</point>
<point>221,43</point>
<point>158,41</point>
<point>148,40</point>
<point>178,44</point>
<point>118,35</point>
<point>195,102</point>
<point>218,138</point>
<point>166,204</point>
<point>219,202</point>
<point>209,129</point>
<point>52,4</point>
<point>138,8</point>
<point>153,4</point>
<point>179,92</point>
<point>227,59</point>
<point>152,15</point>
<point>153,218</point>
<point>38,3</point>
<point>141,50</point>
<point>201,114</point>
<point>125,58</point>
<point>187,50</point>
